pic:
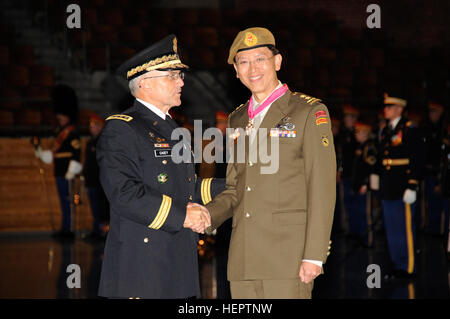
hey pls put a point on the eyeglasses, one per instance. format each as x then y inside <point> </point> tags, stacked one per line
<point>172,76</point>
<point>258,61</point>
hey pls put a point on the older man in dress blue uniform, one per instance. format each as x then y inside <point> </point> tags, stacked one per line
<point>150,252</point>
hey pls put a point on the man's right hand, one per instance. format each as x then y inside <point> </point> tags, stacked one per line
<point>197,218</point>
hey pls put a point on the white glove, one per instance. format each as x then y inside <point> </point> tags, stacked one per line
<point>409,196</point>
<point>45,156</point>
<point>73,169</point>
<point>374,182</point>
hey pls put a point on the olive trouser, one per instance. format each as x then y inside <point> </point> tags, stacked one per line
<point>271,289</point>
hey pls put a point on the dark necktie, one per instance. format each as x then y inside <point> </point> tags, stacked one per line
<point>171,122</point>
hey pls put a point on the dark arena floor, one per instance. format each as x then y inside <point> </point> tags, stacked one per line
<point>36,266</point>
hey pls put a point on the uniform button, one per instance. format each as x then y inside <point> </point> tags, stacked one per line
<point>146,240</point>
<point>386,152</point>
<point>247,215</point>
<point>164,162</point>
<point>388,167</point>
<point>189,179</point>
<point>249,188</point>
<point>190,197</point>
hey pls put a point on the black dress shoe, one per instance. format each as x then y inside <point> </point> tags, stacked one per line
<point>399,274</point>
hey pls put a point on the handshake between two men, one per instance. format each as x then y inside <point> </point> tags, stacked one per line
<point>197,217</point>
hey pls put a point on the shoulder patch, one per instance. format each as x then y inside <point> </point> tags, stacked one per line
<point>122,117</point>
<point>237,109</point>
<point>308,99</point>
<point>75,144</point>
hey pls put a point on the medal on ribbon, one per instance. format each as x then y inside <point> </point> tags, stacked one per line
<point>252,113</point>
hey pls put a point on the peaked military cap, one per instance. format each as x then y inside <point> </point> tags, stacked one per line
<point>251,38</point>
<point>390,101</point>
<point>163,55</point>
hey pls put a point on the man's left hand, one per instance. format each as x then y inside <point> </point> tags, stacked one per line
<point>309,271</point>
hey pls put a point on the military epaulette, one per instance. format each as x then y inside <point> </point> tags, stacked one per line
<point>237,109</point>
<point>309,99</point>
<point>410,124</point>
<point>122,117</point>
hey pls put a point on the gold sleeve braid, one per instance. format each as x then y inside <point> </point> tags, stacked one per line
<point>206,190</point>
<point>163,212</point>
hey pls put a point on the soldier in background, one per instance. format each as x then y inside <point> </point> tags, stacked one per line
<point>445,181</point>
<point>339,216</point>
<point>345,152</point>
<point>360,207</point>
<point>434,134</point>
<point>65,152</point>
<point>97,197</point>
<point>401,165</point>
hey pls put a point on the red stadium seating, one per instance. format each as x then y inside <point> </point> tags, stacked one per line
<point>112,17</point>
<point>210,18</point>
<point>206,37</point>
<point>18,76</point>
<point>4,55</point>
<point>6,118</point>
<point>23,55</point>
<point>324,56</point>
<point>105,34</point>
<point>132,35</point>
<point>11,99</point>
<point>42,75</point>
<point>28,117</point>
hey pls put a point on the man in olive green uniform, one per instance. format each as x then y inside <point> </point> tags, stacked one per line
<point>281,220</point>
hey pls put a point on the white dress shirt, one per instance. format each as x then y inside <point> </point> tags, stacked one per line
<point>394,122</point>
<point>154,109</point>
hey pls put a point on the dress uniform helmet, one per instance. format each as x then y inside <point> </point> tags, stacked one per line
<point>252,38</point>
<point>163,55</point>
<point>65,101</point>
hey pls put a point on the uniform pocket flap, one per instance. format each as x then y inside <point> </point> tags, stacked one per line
<point>289,217</point>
